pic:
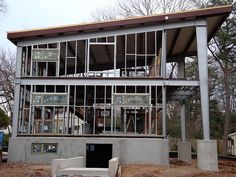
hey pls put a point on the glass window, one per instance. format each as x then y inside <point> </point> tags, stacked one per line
<point>44,148</point>
<point>131,99</point>
<point>36,148</point>
<point>49,99</point>
<point>37,99</point>
<point>55,99</point>
<point>50,148</point>
<point>45,55</point>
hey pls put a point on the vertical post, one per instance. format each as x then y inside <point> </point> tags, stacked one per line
<point>163,72</point>
<point>181,74</point>
<point>17,92</point>
<point>150,112</point>
<point>85,119</point>
<point>68,109</point>
<point>88,57</point>
<point>105,100</point>
<point>58,62</point>
<point>183,124</point>
<point>181,68</point>
<point>163,58</point>
<point>201,31</point>
<point>112,108</point>
<point>184,147</point>
<point>115,55</point>
<point>31,109</point>
<point>164,111</point>
<point>94,109</point>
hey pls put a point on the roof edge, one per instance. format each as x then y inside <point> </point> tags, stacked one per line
<point>14,36</point>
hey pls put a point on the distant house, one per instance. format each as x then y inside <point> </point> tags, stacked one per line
<point>232,143</point>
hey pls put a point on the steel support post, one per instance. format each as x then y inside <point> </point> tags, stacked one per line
<point>163,58</point>
<point>183,124</point>
<point>201,32</point>
<point>164,111</point>
<point>17,92</point>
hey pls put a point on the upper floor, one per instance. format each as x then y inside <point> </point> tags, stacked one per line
<point>138,47</point>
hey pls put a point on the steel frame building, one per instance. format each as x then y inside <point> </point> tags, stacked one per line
<point>107,81</point>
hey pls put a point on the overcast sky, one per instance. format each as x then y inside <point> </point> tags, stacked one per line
<point>27,14</point>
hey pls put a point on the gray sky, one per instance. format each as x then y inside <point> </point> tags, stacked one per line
<point>27,14</point>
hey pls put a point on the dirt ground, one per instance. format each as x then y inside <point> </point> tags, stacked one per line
<point>227,168</point>
<point>24,170</point>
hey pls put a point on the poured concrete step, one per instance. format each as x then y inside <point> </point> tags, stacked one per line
<point>101,172</point>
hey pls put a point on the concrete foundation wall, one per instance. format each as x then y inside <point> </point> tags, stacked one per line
<point>142,151</point>
<point>129,150</point>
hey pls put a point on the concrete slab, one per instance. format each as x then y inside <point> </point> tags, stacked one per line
<point>76,162</point>
<point>102,172</point>
<point>207,158</point>
<point>184,152</point>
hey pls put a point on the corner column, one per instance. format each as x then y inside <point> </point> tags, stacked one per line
<point>206,149</point>
<point>163,75</point>
<point>17,92</point>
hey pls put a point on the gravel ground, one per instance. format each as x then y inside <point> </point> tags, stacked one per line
<point>227,168</point>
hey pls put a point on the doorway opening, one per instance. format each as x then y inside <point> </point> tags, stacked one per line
<point>98,155</point>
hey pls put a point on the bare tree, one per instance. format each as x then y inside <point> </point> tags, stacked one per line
<point>105,13</point>
<point>132,8</point>
<point>148,7</point>
<point>3,6</point>
<point>7,78</point>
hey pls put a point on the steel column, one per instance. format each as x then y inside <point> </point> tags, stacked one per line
<point>17,92</point>
<point>183,120</point>
<point>163,57</point>
<point>164,111</point>
<point>201,32</point>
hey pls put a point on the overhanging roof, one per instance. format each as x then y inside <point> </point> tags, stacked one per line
<point>215,17</point>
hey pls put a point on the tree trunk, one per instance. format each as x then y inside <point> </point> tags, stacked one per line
<point>227,110</point>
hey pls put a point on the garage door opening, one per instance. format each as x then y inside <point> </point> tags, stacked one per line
<point>98,155</point>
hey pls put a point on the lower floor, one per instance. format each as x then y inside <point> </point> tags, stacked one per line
<point>98,151</point>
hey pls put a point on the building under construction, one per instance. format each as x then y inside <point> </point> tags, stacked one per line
<point>101,89</point>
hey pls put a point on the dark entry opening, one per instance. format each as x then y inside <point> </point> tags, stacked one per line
<point>98,155</point>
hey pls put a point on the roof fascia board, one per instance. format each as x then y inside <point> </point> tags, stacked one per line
<point>160,27</point>
<point>198,13</point>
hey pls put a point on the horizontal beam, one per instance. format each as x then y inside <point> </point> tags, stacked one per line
<point>122,31</point>
<point>107,81</point>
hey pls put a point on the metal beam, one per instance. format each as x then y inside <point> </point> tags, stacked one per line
<point>167,25</point>
<point>107,81</point>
